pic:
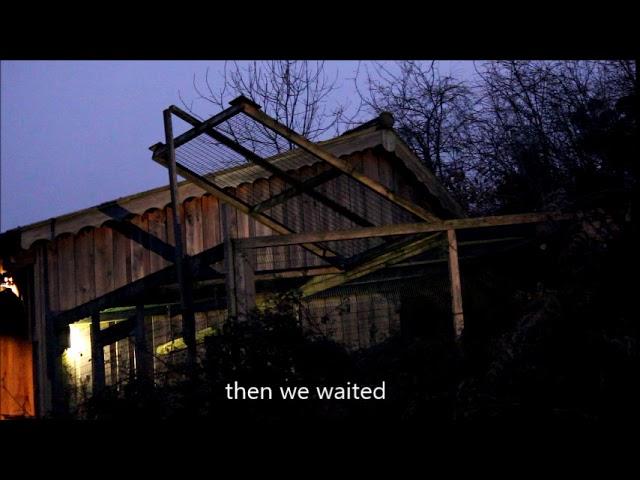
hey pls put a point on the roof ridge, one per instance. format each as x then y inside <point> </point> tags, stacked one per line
<point>384,120</point>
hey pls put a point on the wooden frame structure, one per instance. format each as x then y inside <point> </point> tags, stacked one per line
<point>238,267</point>
<point>327,281</point>
<point>231,262</point>
<point>240,274</point>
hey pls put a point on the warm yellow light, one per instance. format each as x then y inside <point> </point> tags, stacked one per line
<point>8,283</point>
<point>179,343</point>
<point>79,351</point>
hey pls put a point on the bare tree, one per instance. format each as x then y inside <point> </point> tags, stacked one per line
<point>434,114</point>
<point>523,135</point>
<point>296,93</point>
<point>536,124</point>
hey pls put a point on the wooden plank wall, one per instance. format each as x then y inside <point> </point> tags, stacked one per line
<point>16,378</point>
<point>98,260</point>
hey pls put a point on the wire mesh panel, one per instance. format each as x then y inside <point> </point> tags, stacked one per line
<point>269,174</point>
<point>368,311</point>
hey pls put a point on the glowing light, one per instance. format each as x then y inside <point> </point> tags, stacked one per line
<point>79,352</point>
<point>179,343</point>
<point>8,283</point>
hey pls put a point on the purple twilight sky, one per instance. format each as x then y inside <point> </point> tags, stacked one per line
<point>76,133</point>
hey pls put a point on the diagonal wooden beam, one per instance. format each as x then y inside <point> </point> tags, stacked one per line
<point>390,243</point>
<point>291,180</point>
<point>396,253</point>
<point>323,252</point>
<point>198,129</point>
<point>127,293</point>
<point>250,109</point>
<point>393,256</point>
<point>278,172</point>
<point>121,223</point>
<point>292,192</point>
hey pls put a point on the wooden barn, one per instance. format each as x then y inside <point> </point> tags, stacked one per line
<point>111,292</point>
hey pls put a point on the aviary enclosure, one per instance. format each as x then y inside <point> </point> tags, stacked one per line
<point>356,226</point>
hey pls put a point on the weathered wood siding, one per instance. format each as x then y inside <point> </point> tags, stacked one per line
<point>96,261</point>
<point>16,378</point>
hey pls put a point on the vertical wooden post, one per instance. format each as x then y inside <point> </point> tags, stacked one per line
<point>43,332</point>
<point>144,358</point>
<point>245,282</point>
<point>230,278</point>
<point>456,285</point>
<point>240,281</point>
<point>239,276</point>
<point>50,344</point>
<point>97,356</point>
<point>56,341</point>
<point>113,360</point>
<point>184,280</point>
<point>229,232</point>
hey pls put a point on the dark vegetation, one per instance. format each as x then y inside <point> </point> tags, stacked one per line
<point>551,331</point>
<point>553,340</point>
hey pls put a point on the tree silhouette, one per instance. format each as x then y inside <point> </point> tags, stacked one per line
<point>294,92</point>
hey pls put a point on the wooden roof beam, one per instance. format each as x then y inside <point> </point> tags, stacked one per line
<point>323,252</point>
<point>393,256</point>
<point>161,149</point>
<point>292,192</point>
<point>404,229</point>
<point>297,185</point>
<point>250,109</point>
